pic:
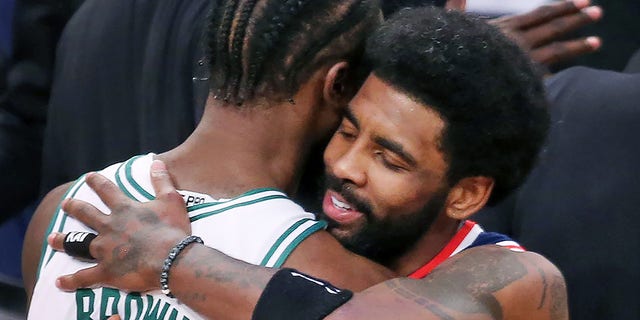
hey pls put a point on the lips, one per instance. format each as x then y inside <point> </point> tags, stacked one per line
<point>336,208</point>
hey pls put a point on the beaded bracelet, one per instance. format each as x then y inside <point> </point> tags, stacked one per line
<point>164,276</point>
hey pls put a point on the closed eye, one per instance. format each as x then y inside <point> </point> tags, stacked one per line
<point>388,163</point>
<point>347,135</point>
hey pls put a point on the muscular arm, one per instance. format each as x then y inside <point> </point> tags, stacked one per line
<point>486,282</point>
<point>34,238</point>
<point>482,283</point>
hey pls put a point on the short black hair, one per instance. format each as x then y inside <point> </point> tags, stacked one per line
<point>270,47</point>
<point>482,85</point>
<point>390,7</point>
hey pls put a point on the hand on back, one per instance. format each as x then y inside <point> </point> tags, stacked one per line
<point>125,258</point>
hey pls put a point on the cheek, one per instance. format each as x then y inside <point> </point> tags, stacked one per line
<point>397,192</point>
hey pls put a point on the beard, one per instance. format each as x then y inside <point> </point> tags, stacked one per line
<point>384,239</point>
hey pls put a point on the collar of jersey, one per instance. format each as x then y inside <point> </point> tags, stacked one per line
<point>126,183</point>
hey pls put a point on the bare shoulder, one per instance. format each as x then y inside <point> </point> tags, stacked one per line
<point>510,284</point>
<point>487,282</point>
<point>36,233</point>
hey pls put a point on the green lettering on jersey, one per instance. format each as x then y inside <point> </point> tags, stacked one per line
<point>152,309</point>
<point>131,297</point>
<point>173,315</point>
<point>84,310</point>
<point>114,296</point>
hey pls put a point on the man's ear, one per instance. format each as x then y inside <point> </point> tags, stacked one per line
<point>468,196</point>
<point>336,89</point>
<point>456,4</point>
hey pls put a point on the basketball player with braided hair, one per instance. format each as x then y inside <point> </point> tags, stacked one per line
<point>281,73</point>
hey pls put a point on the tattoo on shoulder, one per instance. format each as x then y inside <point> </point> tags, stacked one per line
<point>543,276</point>
<point>473,279</point>
<point>553,295</point>
<point>559,307</point>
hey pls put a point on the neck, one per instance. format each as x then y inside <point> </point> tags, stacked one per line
<point>427,247</point>
<point>235,150</point>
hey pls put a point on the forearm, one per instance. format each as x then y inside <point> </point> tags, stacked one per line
<point>215,285</point>
<point>220,287</point>
<point>486,282</point>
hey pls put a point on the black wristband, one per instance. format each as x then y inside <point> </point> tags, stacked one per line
<point>76,244</point>
<point>164,275</point>
<point>293,295</point>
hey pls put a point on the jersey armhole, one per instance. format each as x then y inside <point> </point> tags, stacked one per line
<point>289,240</point>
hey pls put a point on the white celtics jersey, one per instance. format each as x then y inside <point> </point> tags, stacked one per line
<point>261,227</point>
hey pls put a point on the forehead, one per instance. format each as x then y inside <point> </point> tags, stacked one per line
<point>383,111</point>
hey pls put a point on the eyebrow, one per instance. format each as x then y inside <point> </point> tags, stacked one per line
<point>396,148</point>
<point>348,113</point>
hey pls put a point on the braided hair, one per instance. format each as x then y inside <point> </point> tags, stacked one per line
<point>268,48</point>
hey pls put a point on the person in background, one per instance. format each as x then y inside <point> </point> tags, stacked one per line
<point>578,207</point>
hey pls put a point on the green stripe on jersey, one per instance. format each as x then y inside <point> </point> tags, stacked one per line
<point>133,182</point>
<point>237,205</point>
<point>246,194</point>
<point>294,244</point>
<point>278,242</point>
<point>70,193</point>
<point>121,185</point>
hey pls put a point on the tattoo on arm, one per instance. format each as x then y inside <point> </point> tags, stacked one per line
<point>544,287</point>
<point>223,271</point>
<point>559,307</point>
<point>398,288</point>
<point>472,280</point>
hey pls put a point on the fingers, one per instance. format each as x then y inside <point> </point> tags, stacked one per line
<point>56,240</point>
<point>559,51</point>
<point>550,31</point>
<point>114,317</point>
<point>162,183</point>
<point>85,213</point>
<point>173,205</point>
<point>85,278</point>
<point>78,248</point>
<point>546,13</point>
<point>108,192</point>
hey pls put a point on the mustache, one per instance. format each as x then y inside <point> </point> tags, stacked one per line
<point>345,189</point>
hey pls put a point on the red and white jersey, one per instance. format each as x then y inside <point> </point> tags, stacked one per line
<point>469,235</point>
